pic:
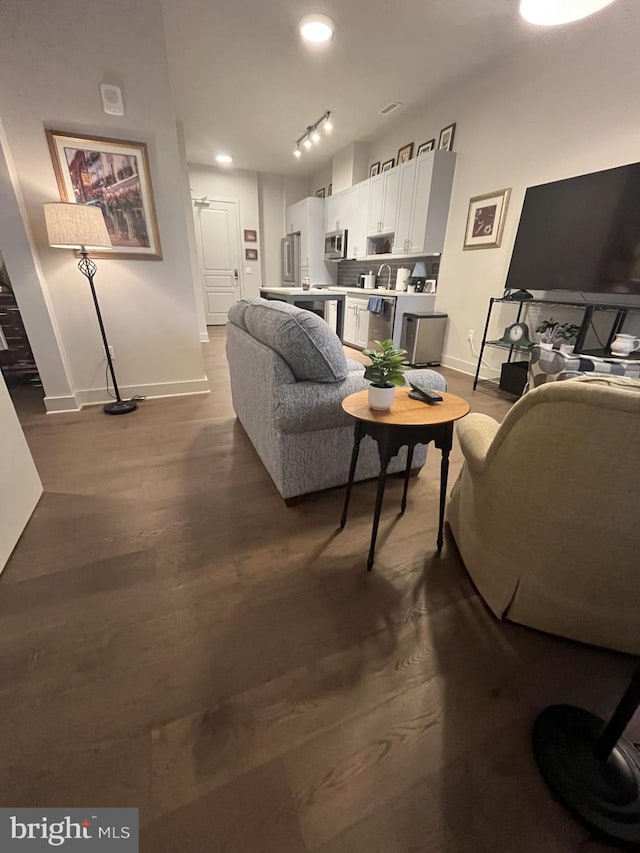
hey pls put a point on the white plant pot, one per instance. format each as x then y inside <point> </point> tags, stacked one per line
<point>381,399</point>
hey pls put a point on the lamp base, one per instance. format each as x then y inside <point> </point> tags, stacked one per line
<point>604,795</point>
<point>120,407</point>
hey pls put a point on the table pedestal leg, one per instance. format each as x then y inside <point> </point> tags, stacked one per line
<point>445,449</point>
<point>382,477</point>
<point>357,438</point>
<point>407,475</point>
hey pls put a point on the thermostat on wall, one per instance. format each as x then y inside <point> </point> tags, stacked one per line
<point>112,102</point>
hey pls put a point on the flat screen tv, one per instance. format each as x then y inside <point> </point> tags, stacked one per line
<point>580,234</point>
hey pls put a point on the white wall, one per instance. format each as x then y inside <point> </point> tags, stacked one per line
<point>20,486</point>
<point>239,185</point>
<point>52,59</point>
<point>321,179</point>
<point>562,106</point>
<point>271,209</point>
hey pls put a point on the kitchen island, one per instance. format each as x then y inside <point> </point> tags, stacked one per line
<point>308,299</point>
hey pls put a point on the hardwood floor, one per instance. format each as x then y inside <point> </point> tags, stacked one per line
<point>174,638</point>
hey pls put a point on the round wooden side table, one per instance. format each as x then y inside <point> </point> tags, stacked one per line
<point>408,422</point>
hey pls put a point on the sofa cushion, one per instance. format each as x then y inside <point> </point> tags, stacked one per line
<point>304,340</point>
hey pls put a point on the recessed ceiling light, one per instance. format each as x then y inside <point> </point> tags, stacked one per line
<point>224,159</point>
<point>316,29</point>
<point>551,13</point>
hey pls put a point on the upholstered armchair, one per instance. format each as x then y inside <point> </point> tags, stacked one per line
<point>546,510</point>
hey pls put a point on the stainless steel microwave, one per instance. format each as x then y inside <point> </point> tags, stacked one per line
<point>335,245</point>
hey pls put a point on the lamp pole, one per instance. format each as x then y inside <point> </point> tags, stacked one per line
<point>119,407</point>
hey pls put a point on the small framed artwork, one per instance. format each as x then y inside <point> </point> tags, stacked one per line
<point>251,254</point>
<point>374,169</point>
<point>426,146</point>
<point>485,220</point>
<point>112,174</point>
<point>320,193</point>
<point>250,235</point>
<point>446,138</point>
<point>405,154</point>
<point>388,164</point>
<point>330,190</point>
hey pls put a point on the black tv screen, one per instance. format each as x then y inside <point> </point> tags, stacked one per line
<point>580,234</point>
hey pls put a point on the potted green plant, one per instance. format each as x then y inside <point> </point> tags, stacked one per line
<point>388,364</point>
<point>566,336</point>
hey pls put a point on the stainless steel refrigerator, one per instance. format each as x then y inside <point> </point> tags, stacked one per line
<point>290,258</point>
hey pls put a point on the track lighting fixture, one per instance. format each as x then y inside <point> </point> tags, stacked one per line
<point>311,135</point>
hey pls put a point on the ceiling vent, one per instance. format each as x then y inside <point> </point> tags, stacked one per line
<point>390,108</point>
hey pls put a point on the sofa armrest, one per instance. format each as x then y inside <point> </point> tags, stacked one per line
<point>308,406</point>
<point>476,433</point>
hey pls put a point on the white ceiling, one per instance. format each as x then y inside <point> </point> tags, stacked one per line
<point>244,83</point>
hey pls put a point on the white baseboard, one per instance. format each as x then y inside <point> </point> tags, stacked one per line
<point>96,396</point>
<point>460,364</point>
<point>57,405</point>
<point>204,337</point>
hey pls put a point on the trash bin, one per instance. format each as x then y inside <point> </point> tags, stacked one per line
<point>423,338</point>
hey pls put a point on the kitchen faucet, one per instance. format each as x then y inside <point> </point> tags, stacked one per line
<point>389,268</point>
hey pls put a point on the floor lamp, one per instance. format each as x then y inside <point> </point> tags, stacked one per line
<point>591,767</point>
<point>82,227</point>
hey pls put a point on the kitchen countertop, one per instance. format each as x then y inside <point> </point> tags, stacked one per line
<point>353,291</point>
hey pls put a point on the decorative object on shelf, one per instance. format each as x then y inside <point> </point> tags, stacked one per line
<point>388,164</point>
<point>445,143</point>
<point>418,276</point>
<point>250,235</point>
<point>517,335</point>
<point>591,767</point>
<point>560,334</point>
<point>386,370</point>
<point>405,153</point>
<point>320,193</point>
<point>625,344</point>
<point>374,169</point>
<point>251,254</point>
<point>330,190</point>
<point>311,136</point>
<point>426,146</point>
<point>113,175</point>
<point>83,227</point>
<point>486,219</point>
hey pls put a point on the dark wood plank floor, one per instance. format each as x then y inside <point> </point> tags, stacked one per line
<point>174,638</point>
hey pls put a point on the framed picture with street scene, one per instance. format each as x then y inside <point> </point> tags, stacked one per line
<point>112,174</point>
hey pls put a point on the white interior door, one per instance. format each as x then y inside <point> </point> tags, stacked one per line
<point>219,238</point>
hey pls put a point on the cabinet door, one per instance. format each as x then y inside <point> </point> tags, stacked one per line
<point>376,198</point>
<point>350,321</point>
<point>357,238</point>
<point>390,201</point>
<point>420,203</point>
<point>330,213</point>
<point>405,207</point>
<point>296,216</point>
<point>362,330</point>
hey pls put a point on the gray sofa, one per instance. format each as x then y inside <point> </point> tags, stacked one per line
<point>289,375</point>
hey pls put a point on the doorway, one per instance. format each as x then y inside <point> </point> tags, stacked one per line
<point>218,231</point>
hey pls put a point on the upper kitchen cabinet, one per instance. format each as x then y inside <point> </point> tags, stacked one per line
<point>340,210</point>
<point>383,202</point>
<point>423,205</point>
<point>357,237</point>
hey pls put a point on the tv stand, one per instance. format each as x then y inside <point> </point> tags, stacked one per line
<point>525,306</point>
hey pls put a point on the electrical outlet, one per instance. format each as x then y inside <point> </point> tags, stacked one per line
<point>470,334</point>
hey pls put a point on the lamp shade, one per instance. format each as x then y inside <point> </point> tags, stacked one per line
<point>419,270</point>
<point>76,226</point>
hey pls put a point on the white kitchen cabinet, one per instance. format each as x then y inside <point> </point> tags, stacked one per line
<point>356,323</point>
<point>339,211</point>
<point>357,238</point>
<point>423,203</point>
<point>331,314</point>
<point>383,202</point>
<point>406,190</point>
<point>307,217</point>
<point>376,197</point>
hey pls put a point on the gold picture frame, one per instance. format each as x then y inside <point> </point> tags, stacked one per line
<point>486,219</point>
<point>114,175</point>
